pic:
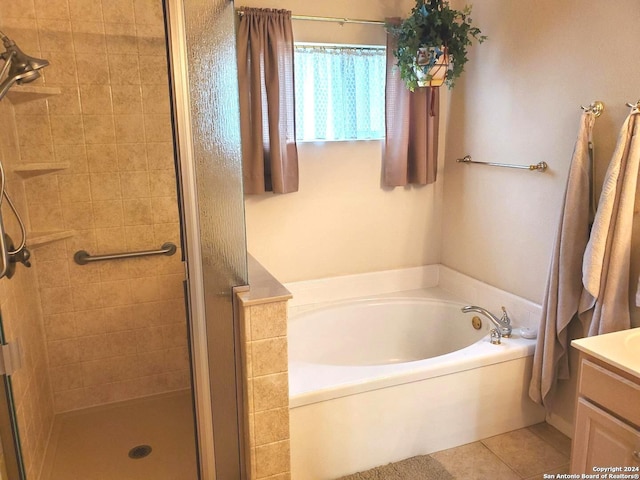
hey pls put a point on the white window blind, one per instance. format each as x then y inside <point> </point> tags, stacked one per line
<point>339,92</point>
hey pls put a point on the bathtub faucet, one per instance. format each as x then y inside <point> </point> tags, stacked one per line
<point>503,324</point>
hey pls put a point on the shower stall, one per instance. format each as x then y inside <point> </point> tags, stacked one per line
<point>120,142</point>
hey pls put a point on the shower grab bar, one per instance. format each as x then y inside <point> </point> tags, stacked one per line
<point>82,257</point>
<point>540,167</point>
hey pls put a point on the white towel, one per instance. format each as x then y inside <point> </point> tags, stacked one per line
<point>604,306</point>
<point>564,285</point>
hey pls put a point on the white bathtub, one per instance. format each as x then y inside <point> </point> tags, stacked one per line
<point>380,379</point>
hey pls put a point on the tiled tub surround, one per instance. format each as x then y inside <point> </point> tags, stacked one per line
<point>347,418</point>
<point>22,320</point>
<point>263,329</point>
<point>114,330</point>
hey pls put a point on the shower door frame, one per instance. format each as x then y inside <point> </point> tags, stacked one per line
<point>213,324</point>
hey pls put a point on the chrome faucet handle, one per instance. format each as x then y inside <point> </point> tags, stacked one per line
<point>495,336</point>
<point>506,329</point>
<point>505,317</point>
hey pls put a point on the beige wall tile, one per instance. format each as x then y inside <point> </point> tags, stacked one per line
<point>269,356</point>
<point>76,155</point>
<point>270,391</point>
<point>116,293</point>
<point>88,37</point>
<point>108,213</point>
<point>60,326</point>
<point>19,9</point>
<point>271,426</point>
<point>92,68</point>
<point>55,35</point>
<point>99,129</point>
<point>33,129</point>
<point>118,11</point>
<point>136,185</point>
<point>165,209</point>
<point>86,297</point>
<point>63,352</point>
<point>269,320</point>
<point>66,103</point>
<point>153,69</point>
<point>54,9</point>
<point>157,127</point>
<point>74,188</point>
<point>162,183</point>
<point>150,39</point>
<point>124,69</point>
<point>129,128</point>
<point>83,10</point>
<point>121,38</point>
<point>53,273</point>
<point>45,217</point>
<point>132,157</point>
<point>62,69</point>
<point>70,400</point>
<point>67,129</point>
<point>102,158</point>
<point>96,99</point>
<point>78,216</point>
<point>160,156</point>
<point>127,99</point>
<point>67,377</point>
<point>140,237</point>
<point>155,99</point>
<point>42,189</point>
<point>83,274</point>
<point>36,153</point>
<point>148,12</point>
<point>137,211</point>
<point>89,322</point>
<point>272,459</point>
<point>109,240</point>
<point>105,186</point>
<point>94,347</point>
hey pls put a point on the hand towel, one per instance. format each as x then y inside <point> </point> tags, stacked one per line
<point>564,285</point>
<point>604,305</point>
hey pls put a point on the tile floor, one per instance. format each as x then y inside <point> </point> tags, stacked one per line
<point>94,444</point>
<point>524,454</point>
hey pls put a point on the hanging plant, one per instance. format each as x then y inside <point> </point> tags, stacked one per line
<point>432,43</point>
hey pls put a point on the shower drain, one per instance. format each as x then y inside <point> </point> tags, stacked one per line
<point>140,451</point>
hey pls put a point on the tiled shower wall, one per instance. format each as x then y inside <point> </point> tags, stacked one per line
<point>22,320</point>
<point>114,330</point>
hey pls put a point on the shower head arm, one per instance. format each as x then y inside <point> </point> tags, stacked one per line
<point>10,80</point>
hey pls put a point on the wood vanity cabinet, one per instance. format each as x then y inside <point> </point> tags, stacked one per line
<point>607,422</point>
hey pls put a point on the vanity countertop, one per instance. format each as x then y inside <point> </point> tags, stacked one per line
<point>620,349</point>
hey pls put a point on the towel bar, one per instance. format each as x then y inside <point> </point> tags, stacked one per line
<point>540,167</point>
<point>83,257</point>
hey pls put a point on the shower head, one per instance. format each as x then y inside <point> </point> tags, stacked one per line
<point>19,67</point>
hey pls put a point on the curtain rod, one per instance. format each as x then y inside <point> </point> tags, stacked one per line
<point>313,18</point>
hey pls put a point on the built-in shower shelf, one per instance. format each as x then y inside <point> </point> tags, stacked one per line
<point>35,239</point>
<point>32,169</point>
<point>27,93</point>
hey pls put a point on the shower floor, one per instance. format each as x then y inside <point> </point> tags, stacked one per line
<point>94,444</point>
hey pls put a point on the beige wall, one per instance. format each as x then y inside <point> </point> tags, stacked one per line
<point>114,330</point>
<point>342,221</point>
<point>519,102</point>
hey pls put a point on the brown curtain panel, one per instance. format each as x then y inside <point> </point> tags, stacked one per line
<point>265,79</point>
<point>411,124</point>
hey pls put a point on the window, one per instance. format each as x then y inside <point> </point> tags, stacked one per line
<point>339,92</point>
